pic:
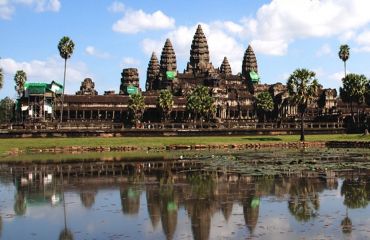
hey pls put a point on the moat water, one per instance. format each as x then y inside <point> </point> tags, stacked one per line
<point>282,195</point>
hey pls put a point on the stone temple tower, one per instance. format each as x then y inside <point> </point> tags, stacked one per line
<point>249,66</point>
<point>199,54</point>
<point>168,65</point>
<point>225,67</point>
<point>129,81</point>
<point>152,74</point>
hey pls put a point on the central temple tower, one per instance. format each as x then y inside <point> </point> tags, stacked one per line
<point>199,54</point>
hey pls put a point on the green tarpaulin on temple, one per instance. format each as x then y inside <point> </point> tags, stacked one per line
<point>171,74</point>
<point>132,90</point>
<point>254,77</point>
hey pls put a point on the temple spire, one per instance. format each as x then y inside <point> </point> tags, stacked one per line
<point>225,67</point>
<point>168,58</point>
<point>152,73</point>
<point>199,53</point>
<point>249,62</point>
<point>167,66</point>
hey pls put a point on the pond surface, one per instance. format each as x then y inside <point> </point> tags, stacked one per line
<point>264,194</point>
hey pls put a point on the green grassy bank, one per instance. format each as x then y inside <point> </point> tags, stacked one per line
<point>23,144</point>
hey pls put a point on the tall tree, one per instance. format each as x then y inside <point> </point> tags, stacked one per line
<point>344,56</point>
<point>264,103</point>
<point>136,106</point>
<point>1,78</point>
<point>367,94</point>
<point>353,90</point>
<point>6,110</point>
<point>200,103</point>
<point>165,103</point>
<point>302,88</point>
<point>65,47</point>
<point>20,78</point>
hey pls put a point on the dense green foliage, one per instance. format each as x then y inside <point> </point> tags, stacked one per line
<point>354,88</point>
<point>355,192</point>
<point>20,79</point>
<point>264,103</point>
<point>367,94</point>
<point>165,103</point>
<point>200,103</point>
<point>1,78</point>
<point>344,56</point>
<point>6,110</point>
<point>66,47</point>
<point>136,106</point>
<point>302,88</point>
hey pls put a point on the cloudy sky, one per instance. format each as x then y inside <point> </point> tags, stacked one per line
<point>111,35</point>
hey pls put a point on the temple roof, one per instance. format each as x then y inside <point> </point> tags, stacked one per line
<point>152,72</point>
<point>199,53</point>
<point>225,67</point>
<point>249,61</point>
<point>168,58</point>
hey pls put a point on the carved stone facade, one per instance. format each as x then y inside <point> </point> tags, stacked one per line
<point>87,88</point>
<point>199,54</point>
<point>225,67</point>
<point>130,77</point>
<point>152,74</point>
<point>234,94</point>
<point>167,64</point>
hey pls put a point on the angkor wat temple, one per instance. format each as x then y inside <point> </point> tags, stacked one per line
<point>234,94</point>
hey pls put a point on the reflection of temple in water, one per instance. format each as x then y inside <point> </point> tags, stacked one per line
<point>1,225</point>
<point>152,198</point>
<point>130,200</point>
<point>169,186</point>
<point>168,209</point>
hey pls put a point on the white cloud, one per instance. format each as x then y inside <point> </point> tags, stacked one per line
<point>116,7</point>
<point>7,8</point>
<point>129,61</point>
<point>137,21</point>
<point>92,51</point>
<point>41,5</point>
<point>363,40</point>
<point>150,45</point>
<point>280,22</point>
<point>324,50</point>
<point>332,80</point>
<point>48,70</point>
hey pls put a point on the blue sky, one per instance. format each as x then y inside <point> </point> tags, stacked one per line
<point>112,35</point>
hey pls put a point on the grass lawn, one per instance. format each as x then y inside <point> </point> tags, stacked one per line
<point>24,143</point>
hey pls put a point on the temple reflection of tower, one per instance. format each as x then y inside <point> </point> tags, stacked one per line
<point>168,188</point>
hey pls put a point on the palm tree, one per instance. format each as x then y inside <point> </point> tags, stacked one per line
<point>65,47</point>
<point>136,106</point>
<point>20,79</point>
<point>353,90</point>
<point>302,88</point>
<point>264,103</point>
<point>344,55</point>
<point>200,103</point>
<point>165,103</point>
<point>65,234</point>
